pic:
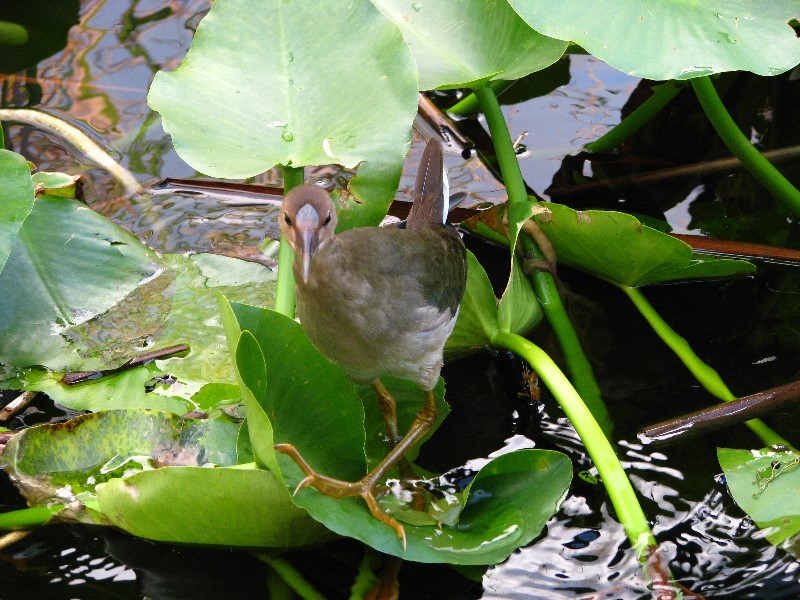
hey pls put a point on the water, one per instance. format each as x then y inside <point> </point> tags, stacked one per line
<point>747,329</point>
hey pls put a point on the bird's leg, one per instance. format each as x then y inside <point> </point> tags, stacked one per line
<point>337,488</point>
<point>388,410</point>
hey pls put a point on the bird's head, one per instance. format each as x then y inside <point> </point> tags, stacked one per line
<point>308,222</point>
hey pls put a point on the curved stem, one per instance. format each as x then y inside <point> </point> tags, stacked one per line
<point>284,290</point>
<point>78,139</point>
<point>616,482</point>
<point>544,283</point>
<point>704,373</point>
<point>639,117</point>
<point>763,171</point>
<point>469,104</point>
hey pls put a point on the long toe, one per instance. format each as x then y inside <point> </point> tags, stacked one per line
<point>336,488</point>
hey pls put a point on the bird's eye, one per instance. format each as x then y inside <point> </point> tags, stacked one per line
<point>327,219</point>
<point>287,219</point>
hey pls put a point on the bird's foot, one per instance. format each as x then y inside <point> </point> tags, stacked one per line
<point>336,488</point>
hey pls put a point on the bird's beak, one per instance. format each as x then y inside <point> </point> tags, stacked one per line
<point>307,227</point>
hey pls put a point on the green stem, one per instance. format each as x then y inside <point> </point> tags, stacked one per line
<point>469,104</point>
<point>616,482</point>
<point>634,121</point>
<point>28,517</point>
<point>544,283</point>
<point>292,577</point>
<point>704,373</point>
<point>760,168</point>
<point>284,290</point>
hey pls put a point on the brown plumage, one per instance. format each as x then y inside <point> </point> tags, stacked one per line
<point>378,300</point>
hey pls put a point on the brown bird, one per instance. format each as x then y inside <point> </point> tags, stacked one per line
<point>378,301</point>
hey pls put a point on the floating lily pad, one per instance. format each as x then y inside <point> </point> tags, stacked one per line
<point>619,248</point>
<point>764,484</point>
<point>156,476</point>
<point>68,264</point>
<point>615,246</point>
<point>674,39</point>
<point>178,307</point>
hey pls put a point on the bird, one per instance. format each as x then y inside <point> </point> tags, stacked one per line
<point>378,301</point>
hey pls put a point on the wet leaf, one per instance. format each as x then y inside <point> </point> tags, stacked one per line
<point>68,264</point>
<point>154,475</point>
<point>764,484</point>
<point>178,307</point>
<point>615,246</point>
<point>674,39</point>
<point>56,184</point>
<point>97,447</point>
<point>456,44</point>
<point>220,507</point>
<point>292,103</point>
<point>316,409</point>
<point>618,248</point>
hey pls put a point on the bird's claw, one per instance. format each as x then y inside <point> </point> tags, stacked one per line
<point>337,488</point>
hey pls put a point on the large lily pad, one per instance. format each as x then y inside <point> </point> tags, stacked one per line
<point>764,484</point>
<point>16,200</point>
<point>456,44</point>
<point>156,476</point>
<point>68,264</point>
<point>674,39</point>
<point>619,248</point>
<point>615,246</point>
<point>178,307</point>
<point>506,505</point>
<point>320,83</point>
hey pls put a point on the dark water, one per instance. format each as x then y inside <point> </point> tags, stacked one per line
<point>747,329</point>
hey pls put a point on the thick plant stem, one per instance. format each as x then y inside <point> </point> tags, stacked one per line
<point>544,283</point>
<point>469,104</point>
<point>28,517</point>
<point>634,121</point>
<point>616,482</point>
<point>760,168</point>
<point>284,291</point>
<point>705,375</point>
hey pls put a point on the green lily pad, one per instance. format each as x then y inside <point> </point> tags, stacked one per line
<point>611,245</point>
<point>456,44</point>
<point>619,248</point>
<point>157,476</point>
<point>218,507</point>
<point>16,200</point>
<point>96,447</point>
<point>301,398</point>
<point>477,317</point>
<point>178,307</point>
<point>764,484</point>
<point>674,39</point>
<point>68,264</point>
<point>283,97</point>
<point>50,183</point>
